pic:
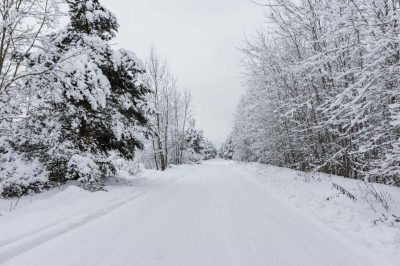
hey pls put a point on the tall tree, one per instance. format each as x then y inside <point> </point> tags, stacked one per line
<point>93,107</point>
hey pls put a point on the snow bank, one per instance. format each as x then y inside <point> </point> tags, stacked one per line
<point>308,193</point>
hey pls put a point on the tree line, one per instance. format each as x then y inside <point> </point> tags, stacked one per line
<point>322,89</point>
<point>177,140</point>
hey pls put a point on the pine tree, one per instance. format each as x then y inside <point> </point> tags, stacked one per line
<point>227,149</point>
<point>210,152</point>
<point>113,123</point>
<point>195,144</point>
<point>90,107</point>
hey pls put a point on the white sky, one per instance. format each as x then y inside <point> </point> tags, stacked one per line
<point>199,39</point>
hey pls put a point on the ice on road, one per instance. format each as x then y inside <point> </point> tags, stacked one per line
<point>212,215</point>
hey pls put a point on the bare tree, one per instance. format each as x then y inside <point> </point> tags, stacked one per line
<point>174,109</point>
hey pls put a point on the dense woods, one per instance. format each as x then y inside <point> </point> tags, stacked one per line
<point>74,108</point>
<point>322,89</point>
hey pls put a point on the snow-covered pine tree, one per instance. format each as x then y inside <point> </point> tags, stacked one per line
<point>93,107</point>
<point>221,150</point>
<point>195,144</point>
<point>227,150</point>
<point>115,113</point>
<point>210,152</point>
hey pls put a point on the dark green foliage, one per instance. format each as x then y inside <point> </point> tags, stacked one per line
<point>18,190</point>
<point>79,12</point>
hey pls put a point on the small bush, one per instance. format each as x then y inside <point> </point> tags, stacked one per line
<point>17,190</point>
<point>374,195</point>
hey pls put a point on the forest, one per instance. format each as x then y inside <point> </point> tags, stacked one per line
<point>321,90</point>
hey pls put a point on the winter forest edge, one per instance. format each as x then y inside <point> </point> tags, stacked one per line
<point>73,108</point>
<point>321,90</point>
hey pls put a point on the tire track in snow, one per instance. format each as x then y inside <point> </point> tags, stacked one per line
<point>16,246</point>
<point>121,232</point>
<point>25,242</point>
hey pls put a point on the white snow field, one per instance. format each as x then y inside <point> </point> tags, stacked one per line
<point>217,213</point>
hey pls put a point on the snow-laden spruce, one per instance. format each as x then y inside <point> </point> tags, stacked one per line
<point>88,106</point>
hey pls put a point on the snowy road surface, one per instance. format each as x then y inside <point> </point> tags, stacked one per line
<point>210,215</point>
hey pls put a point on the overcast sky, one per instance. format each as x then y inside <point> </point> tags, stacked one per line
<point>199,38</point>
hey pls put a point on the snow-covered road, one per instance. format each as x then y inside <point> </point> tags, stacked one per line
<point>210,215</point>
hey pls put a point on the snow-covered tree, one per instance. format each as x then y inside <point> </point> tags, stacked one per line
<point>176,140</point>
<point>91,106</point>
<point>321,89</point>
<point>227,149</point>
<point>210,152</point>
<point>24,25</point>
<point>24,36</point>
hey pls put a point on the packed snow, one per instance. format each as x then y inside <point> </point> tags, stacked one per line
<point>216,213</point>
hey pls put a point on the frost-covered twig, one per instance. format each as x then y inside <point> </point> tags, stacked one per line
<point>393,220</point>
<point>342,191</point>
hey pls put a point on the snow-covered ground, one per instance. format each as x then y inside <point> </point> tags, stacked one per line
<point>308,193</point>
<point>216,213</point>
